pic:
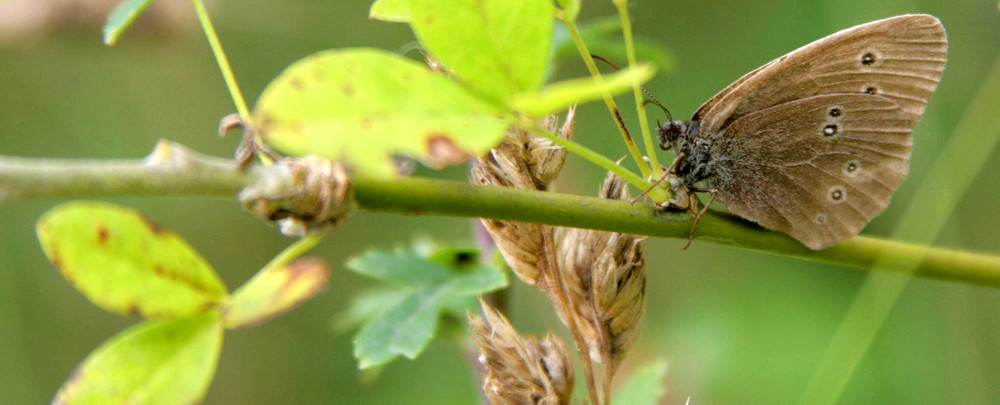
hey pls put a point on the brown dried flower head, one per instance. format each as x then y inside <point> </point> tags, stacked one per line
<point>604,272</point>
<point>530,162</point>
<point>519,370</point>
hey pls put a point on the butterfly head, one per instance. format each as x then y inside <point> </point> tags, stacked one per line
<point>673,132</point>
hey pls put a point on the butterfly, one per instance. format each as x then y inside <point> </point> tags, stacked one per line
<point>815,142</point>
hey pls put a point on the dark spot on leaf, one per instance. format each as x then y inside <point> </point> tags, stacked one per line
<point>464,258</point>
<point>348,90</point>
<point>102,234</point>
<point>158,269</point>
<point>132,309</point>
<point>296,83</point>
<point>56,259</point>
<point>153,226</point>
<point>441,151</point>
<point>266,120</point>
<point>366,123</point>
<point>317,74</point>
<point>429,20</point>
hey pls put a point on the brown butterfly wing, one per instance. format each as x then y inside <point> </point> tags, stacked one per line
<point>900,58</point>
<point>818,168</point>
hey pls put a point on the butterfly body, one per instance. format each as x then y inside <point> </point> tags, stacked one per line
<point>815,142</point>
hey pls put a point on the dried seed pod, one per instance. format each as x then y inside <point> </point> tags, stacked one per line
<point>317,196</point>
<point>604,273</point>
<point>520,370</point>
<point>528,162</point>
<point>520,243</point>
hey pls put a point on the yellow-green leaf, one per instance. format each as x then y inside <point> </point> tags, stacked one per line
<point>275,290</point>
<point>363,106</point>
<point>389,10</point>
<point>125,263</point>
<point>155,362</point>
<point>558,96</point>
<point>498,48</point>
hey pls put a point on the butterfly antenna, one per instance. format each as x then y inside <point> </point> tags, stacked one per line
<point>651,98</point>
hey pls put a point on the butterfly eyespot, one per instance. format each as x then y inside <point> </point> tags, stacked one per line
<point>821,219</point>
<point>830,130</point>
<point>871,90</point>
<point>852,168</point>
<point>835,112</point>
<point>868,59</point>
<point>837,194</point>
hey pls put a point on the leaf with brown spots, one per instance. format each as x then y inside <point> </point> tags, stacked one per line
<point>274,291</point>
<point>155,362</point>
<point>363,106</point>
<point>126,264</point>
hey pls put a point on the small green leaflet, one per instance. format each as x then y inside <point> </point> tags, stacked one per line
<point>125,263</point>
<point>390,11</point>
<point>122,17</point>
<point>155,362</point>
<point>429,284</point>
<point>363,106</point>
<point>274,291</point>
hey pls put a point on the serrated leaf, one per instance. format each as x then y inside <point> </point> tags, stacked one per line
<point>125,263</point>
<point>274,291</point>
<point>122,17</point>
<point>558,96</point>
<point>498,48</point>
<point>368,305</point>
<point>405,329</point>
<point>155,362</point>
<point>363,106</point>
<point>644,387</point>
<point>390,10</point>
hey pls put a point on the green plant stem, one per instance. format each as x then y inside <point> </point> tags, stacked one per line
<point>184,173</point>
<point>610,102</point>
<point>295,250</point>
<point>593,157</point>
<point>640,104</point>
<point>220,57</point>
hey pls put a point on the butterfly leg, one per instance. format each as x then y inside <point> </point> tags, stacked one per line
<point>704,209</point>
<point>666,173</point>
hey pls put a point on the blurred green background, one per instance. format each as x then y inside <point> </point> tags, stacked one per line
<point>735,326</point>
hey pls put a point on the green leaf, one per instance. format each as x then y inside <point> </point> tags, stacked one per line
<point>390,10</point>
<point>368,305</point>
<point>122,17</point>
<point>644,387</point>
<point>558,96</point>
<point>126,264</point>
<point>155,362</point>
<point>439,281</point>
<point>498,48</point>
<point>275,290</point>
<point>362,106</point>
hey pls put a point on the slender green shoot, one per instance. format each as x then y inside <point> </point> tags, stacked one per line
<point>220,57</point>
<point>295,250</point>
<point>640,104</point>
<point>596,158</point>
<point>610,102</point>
